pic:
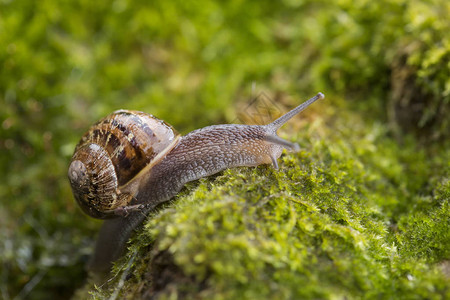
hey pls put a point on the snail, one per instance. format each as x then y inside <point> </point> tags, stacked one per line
<point>130,161</point>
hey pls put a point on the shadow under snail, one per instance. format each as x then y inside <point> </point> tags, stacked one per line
<point>130,161</point>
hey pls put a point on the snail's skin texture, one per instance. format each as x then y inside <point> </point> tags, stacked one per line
<point>200,153</point>
<point>219,147</point>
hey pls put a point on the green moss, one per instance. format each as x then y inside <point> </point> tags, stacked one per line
<point>401,56</point>
<point>424,233</point>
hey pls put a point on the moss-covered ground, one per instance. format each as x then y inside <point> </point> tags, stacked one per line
<point>362,211</point>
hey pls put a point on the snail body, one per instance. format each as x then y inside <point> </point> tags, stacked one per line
<point>129,162</point>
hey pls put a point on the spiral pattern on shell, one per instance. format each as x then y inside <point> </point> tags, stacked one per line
<point>111,154</point>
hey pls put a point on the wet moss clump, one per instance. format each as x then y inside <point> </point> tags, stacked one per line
<point>397,53</point>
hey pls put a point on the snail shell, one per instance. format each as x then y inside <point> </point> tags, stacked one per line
<point>113,156</point>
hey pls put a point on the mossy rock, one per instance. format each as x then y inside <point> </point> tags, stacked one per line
<point>343,218</point>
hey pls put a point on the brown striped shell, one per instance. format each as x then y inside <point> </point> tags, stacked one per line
<point>114,156</point>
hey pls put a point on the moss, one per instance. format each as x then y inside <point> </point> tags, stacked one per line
<point>424,233</point>
<point>395,53</point>
<point>339,219</point>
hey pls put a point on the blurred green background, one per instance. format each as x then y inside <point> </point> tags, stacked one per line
<point>65,64</point>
